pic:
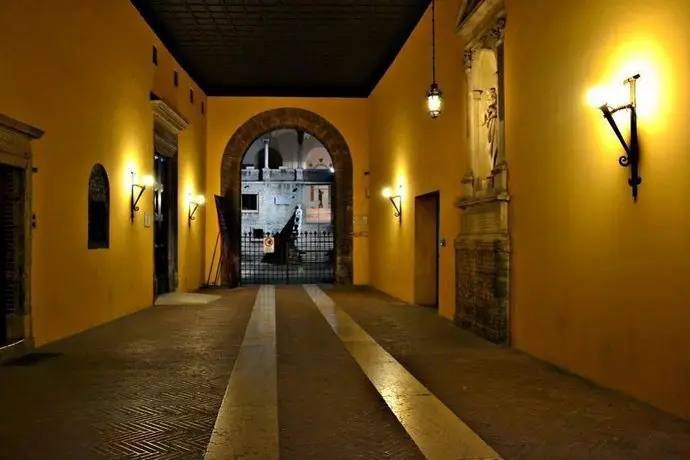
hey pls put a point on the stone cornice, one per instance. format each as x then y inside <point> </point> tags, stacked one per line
<point>167,117</point>
<point>465,239</point>
<point>165,144</point>
<point>19,127</point>
<point>473,25</point>
<point>465,202</point>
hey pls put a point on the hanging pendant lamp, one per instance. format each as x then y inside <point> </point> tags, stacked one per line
<point>434,96</point>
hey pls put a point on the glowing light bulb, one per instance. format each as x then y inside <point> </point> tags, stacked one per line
<point>434,100</point>
<point>387,192</point>
<point>433,103</point>
<point>598,97</point>
<point>148,181</point>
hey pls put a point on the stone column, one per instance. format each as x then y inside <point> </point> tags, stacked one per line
<point>266,153</point>
<point>266,169</point>
<point>500,171</point>
<point>300,146</point>
<point>469,176</point>
<point>476,147</point>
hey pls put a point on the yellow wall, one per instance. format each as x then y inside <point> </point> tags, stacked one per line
<point>599,283</point>
<point>83,73</point>
<point>349,116</point>
<point>408,148</point>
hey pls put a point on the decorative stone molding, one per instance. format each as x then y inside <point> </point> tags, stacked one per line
<point>495,35</point>
<point>499,178</point>
<point>473,16</point>
<point>15,136</point>
<point>491,39</point>
<point>482,248</point>
<point>15,150</point>
<point>465,203</point>
<point>24,130</point>
<point>167,124</point>
<point>468,58</point>
<point>318,127</point>
<point>164,144</point>
<point>167,117</point>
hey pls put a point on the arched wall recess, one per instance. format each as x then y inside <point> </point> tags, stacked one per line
<point>99,208</point>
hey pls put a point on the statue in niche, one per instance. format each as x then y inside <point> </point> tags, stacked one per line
<point>320,198</point>
<point>491,123</point>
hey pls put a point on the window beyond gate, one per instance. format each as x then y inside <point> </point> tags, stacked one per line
<point>304,258</point>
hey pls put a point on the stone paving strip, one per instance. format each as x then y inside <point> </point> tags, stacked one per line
<point>327,408</point>
<point>436,430</point>
<point>247,423</point>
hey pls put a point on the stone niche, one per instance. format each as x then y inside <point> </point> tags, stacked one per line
<point>482,248</point>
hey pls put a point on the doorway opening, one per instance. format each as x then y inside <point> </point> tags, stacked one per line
<point>287,231</point>
<point>426,249</point>
<point>12,254</point>
<point>165,200</point>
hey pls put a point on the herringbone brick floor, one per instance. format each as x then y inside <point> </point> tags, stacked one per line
<point>147,386</point>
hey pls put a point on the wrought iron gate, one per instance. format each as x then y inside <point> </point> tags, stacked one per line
<point>299,258</point>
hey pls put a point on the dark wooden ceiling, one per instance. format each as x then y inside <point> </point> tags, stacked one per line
<point>308,48</point>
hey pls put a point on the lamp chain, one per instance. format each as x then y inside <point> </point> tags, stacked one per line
<point>433,40</point>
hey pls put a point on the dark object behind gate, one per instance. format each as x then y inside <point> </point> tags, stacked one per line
<point>308,258</point>
<point>226,256</point>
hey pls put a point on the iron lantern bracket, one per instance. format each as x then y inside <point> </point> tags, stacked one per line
<point>631,158</point>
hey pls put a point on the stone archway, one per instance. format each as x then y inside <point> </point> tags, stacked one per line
<point>332,139</point>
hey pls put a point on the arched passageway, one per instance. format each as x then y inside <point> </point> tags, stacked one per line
<point>332,140</point>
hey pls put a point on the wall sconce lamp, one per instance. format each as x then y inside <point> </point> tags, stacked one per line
<point>396,201</point>
<point>134,201</point>
<point>631,158</point>
<point>193,205</point>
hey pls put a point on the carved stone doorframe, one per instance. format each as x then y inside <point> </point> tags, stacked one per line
<point>15,151</point>
<point>482,248</point>
<point>167,125</point>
